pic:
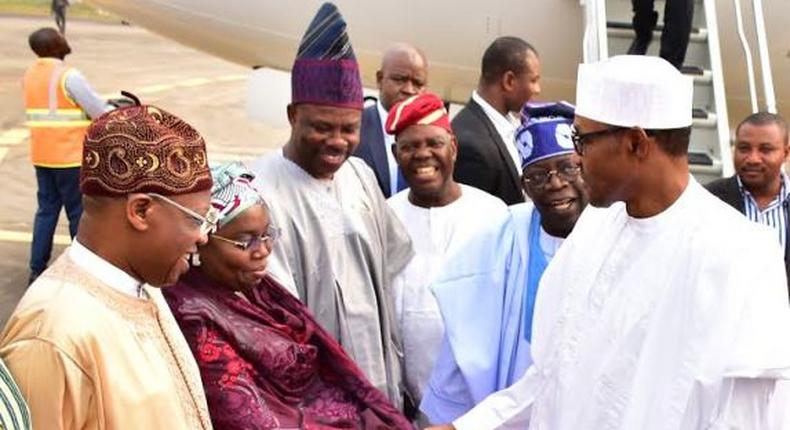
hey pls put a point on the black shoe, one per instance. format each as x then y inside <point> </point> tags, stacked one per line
<point>639,46</point>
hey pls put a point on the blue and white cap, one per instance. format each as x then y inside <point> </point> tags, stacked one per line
<point>545,132</point>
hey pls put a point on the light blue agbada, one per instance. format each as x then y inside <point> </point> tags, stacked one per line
<point>487,296</point>
<point>483,299</point>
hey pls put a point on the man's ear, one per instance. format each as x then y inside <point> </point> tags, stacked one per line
<point>639,142</point>
<point>454,147</point>
<point>291,110</point>
<point>508,81</point>
<point>379,78</point>
<point>138,211</point>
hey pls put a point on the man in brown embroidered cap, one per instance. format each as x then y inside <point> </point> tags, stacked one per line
<point>92,344</point>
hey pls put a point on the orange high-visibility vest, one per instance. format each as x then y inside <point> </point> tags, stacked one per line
<point>57,123</point>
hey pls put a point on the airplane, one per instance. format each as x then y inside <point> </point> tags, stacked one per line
<point>264,34</point>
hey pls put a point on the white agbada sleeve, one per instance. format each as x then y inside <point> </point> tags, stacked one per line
<point>508,409</point>
<point>744,404</point>
<point>746,397</point>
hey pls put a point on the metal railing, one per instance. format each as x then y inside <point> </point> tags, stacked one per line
<point>765,57</point>
<point>747,53</point>
<point>595,46</point>
<point>719,93</point>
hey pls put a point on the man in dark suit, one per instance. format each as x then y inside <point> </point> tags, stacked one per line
<point>760,189</point>
<point>485,127</point>
<point>403,73</point>
<point>678,17</point>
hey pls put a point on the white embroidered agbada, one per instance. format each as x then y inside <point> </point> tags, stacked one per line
<point>341,246</point>
<point>677,321</point>
<point>435,232</point>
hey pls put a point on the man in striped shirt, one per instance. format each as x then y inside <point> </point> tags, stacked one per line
<point>760,188</point>
<point>14,414</point>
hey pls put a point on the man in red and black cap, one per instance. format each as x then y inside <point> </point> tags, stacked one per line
<point>92,343</point>
<point>439,216</point>
<point>341,243</point>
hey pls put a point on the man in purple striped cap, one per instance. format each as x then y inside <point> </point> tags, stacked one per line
<point>341,243</point>
<point>487,296</point>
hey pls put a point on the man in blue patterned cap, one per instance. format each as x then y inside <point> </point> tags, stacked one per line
<point>487,296</point>
<point>341,243</point>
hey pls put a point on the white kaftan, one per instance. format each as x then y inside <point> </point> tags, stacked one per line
<point>435,232</point>
<point>677,321</point>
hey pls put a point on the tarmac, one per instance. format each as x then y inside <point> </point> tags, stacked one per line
<point>207,92</point>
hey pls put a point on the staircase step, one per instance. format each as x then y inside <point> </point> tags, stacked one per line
<point>626,29</point>
<point>705,173</point>
<point>700,158</point>
<point>703,118</point>
<point>700,75</point>
<point>622,10</point>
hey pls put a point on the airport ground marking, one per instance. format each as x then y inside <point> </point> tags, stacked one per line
<point>14,136</point>
<point>27,237</point>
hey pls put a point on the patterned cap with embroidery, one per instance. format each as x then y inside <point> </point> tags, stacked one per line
<point>326,71</point>
<point>141,149</point>
<point>545,132</point>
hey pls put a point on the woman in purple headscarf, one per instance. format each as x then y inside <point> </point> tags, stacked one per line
<point>264,361</point>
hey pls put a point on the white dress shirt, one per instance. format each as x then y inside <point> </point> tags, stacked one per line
<point>104,270</point>
<point>505,125</point>
<point>388,141</point>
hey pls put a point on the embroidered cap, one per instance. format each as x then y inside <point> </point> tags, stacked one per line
<point>423,109</point>
<point>142,149</point>
<point>545,132</point>
<point>326,71</point>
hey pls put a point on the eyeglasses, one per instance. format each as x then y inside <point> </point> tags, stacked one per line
<point>579,138</point>
<point>268,239</point>
<point>207,223</point>
<point>539,178</point>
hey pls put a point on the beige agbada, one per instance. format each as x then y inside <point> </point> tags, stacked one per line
<point>88,356</point>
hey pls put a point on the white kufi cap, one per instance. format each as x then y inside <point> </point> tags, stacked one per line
<point>634,90</point>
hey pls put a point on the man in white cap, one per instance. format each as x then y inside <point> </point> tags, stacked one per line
<point>665,308</point>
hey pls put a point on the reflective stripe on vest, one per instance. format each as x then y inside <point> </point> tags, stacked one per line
<point>57,118</point>
<point>57,124</point>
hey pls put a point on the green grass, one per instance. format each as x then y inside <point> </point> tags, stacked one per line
<point>42,8</point>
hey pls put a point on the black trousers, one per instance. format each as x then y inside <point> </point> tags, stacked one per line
<point>678,15</point>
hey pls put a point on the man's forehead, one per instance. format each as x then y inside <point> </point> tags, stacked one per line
<point>314,111</point>
<point>423,132</point>
<point>585,124</point>
<point>767,128</point>
<point>403,56</point>
<point>553,161</point>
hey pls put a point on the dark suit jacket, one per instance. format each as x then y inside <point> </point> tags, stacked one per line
<point>372,148</point>
<point>483,159</point>
<point>728,191</point>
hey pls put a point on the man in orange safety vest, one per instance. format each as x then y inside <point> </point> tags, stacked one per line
<point>59,103</point>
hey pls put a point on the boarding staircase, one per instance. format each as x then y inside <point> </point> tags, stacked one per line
<point>610,33</point>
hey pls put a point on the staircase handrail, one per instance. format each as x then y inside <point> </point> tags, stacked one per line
<point>720,98</point>
<point>765,56</point>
